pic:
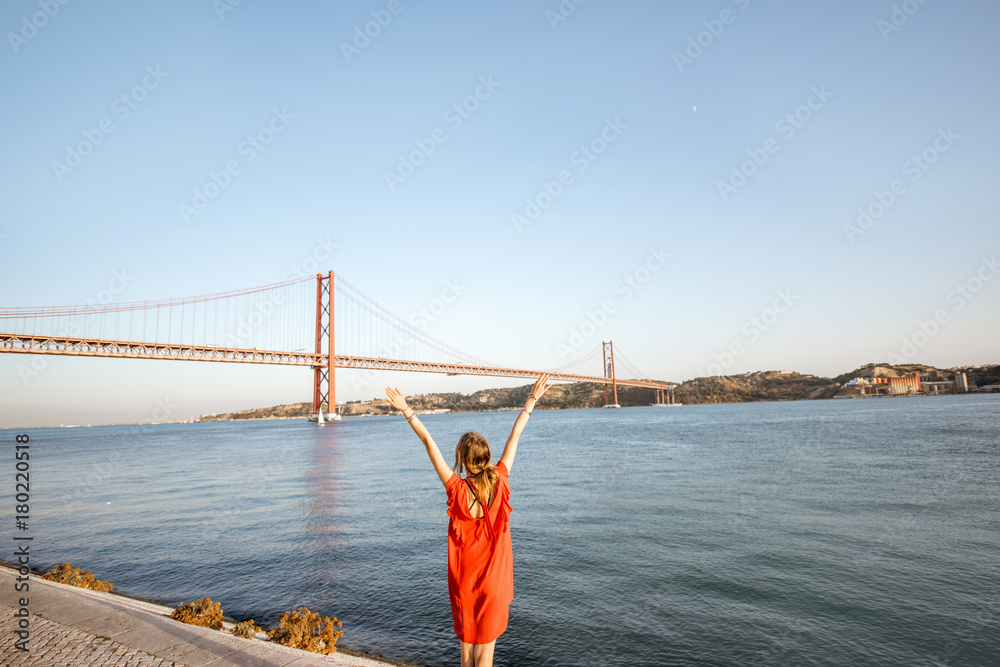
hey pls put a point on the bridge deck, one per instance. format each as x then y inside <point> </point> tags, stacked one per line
<point>94,347</point>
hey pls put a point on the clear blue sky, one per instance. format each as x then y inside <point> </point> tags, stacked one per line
<point>680,116</point>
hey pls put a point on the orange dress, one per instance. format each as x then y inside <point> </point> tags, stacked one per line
<point>480,562</point>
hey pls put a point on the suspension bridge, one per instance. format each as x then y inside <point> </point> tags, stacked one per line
<point>321,322</point>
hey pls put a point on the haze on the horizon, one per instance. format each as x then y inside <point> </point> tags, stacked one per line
<point>826,108</point>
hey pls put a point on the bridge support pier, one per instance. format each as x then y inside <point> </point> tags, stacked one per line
<point>609,373</point>
<point>324,384</point>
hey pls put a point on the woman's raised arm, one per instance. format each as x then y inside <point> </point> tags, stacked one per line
<point>542,385</point>
<point>398,401</point>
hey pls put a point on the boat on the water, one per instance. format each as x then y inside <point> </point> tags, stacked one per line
<point>320,420</point>
<point>612,405</point>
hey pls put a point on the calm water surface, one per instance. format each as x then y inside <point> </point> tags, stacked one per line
<point>806,533</point>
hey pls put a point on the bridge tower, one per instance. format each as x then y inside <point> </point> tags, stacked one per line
<point>609,373</point>
<point>324,386</point>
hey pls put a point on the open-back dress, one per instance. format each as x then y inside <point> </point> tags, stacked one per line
<point>480,562</point>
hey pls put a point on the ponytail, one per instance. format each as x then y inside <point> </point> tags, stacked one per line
<point>472,453</point>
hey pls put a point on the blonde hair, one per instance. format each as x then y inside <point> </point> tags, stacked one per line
<point>472,453</point>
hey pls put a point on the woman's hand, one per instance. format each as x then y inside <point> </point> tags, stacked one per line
<point>542,385</point>
<point>396,399</point>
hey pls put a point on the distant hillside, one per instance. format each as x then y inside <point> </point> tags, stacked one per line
<point>743,388</point>
<point>984,375</point>
<point>291,411</point>
<point>888,371</point>
<point>576,395</point>
<point>759,386</point>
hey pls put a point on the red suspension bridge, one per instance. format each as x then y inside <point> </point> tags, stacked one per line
<point>307,321</point>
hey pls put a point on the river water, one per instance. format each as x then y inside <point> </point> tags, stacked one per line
<point>843,532</point>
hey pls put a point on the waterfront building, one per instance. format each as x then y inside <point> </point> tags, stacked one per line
<point>908,384</point>
<point>932,383</point>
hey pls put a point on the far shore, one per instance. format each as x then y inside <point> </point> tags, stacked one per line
<point>456,412</point>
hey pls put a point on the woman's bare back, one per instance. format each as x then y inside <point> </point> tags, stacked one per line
<point>473,504</point>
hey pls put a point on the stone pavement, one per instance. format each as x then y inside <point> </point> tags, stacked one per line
<point>54,644</point>
<point>76,627</point>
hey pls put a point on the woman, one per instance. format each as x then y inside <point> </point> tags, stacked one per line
<point>480,560</point>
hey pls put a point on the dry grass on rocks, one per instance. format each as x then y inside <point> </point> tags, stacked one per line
<point>201,612</point>
<point>246,629</point>
<point>67,574</point>
<point>304,629</point>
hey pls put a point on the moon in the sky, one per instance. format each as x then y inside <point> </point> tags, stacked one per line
<point>694,108</point>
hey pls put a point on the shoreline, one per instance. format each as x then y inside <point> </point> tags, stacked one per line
<point>138,605</point>
<point>469,412</point>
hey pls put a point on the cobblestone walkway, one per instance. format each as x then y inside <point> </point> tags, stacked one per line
<point>77,627</point>
<point>55,645</point>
